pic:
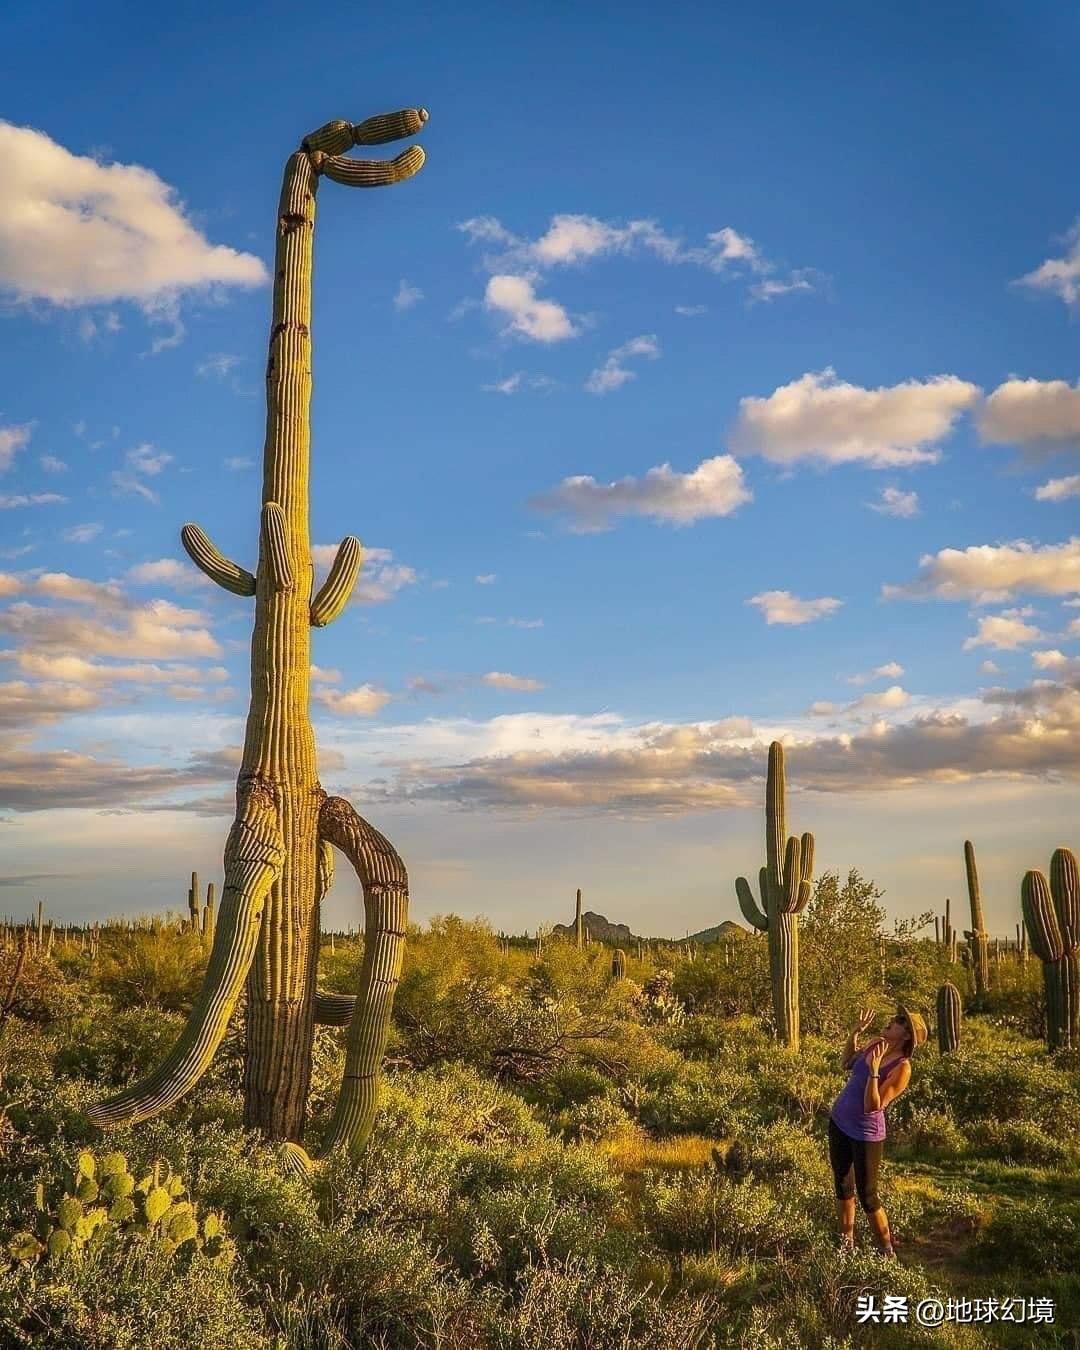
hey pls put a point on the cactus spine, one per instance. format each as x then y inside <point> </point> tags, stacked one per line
<point>618,964</point>
<point>949,1017</point>
<point>785,890</point>
<point>1052,920</point>
<point>977,937</point>
<point>278,855</point>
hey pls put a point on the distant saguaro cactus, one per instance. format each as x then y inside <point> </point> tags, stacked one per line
<point>949,1018</point>
<point>976,936</point>
<point>278,855</point>
<point>1052,920</point>
<point>579,930</point>
<point>785,890</point>
<point>618,964</point>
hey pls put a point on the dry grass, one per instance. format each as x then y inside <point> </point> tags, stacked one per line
<point>632,1151</point>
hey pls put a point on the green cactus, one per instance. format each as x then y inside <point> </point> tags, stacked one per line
<point>618,964</point>
<point>976,935</point>
<point>949,1018</point>
<point>1052,922</point>
<point>785,891</point>
<point>579,931</point>
<point>195,904</point>
<point>278,854</point>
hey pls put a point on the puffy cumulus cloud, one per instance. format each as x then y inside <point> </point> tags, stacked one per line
<point>182,576</point>
<point>24,705</point>
<point>990,668</point>
<point>883,701</point>
<point>527,315</point>
<point>1058,489</point>
<point>79,590</point>
<point>498,679</point>
<point>42,779</point>
<point>364,701</point>
<point>715,488</point>
<point>987,573</point>
<point>1051,659</point>
<point>1039,416</point>
<point>10,584</point>
<point>823,419</point>
<point>619,769</point>
<point>155,631</point>
<point>890,670</point>
<point>380,576</point>
<point>1059,276</point>
<point>78,232</point>
<point>12,440</point>
<point>78,670</point>
<point>1006,631</point>
<point>323,675</point>
<point>613,374</point>
<point>894,502</point>
<point>783,607</point>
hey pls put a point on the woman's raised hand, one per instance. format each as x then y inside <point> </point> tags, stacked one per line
<point>866,1016</point>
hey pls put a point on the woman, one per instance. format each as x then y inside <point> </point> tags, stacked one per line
<point>879,1073</point>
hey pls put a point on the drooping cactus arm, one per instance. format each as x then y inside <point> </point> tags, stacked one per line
<point>386,907</point>
<point>216,566</point>
<point>253,860</point>
<point>333,594</point>
<point>748,905</point>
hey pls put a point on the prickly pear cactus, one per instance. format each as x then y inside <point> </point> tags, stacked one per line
<point>101,1198</point>
<point>949,1016</point>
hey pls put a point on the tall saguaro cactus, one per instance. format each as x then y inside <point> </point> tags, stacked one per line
<point>785,891</point>
<point>278,855</point>
<point>1052,920</point>
<point>949,1018</point>
<point>579,931</point>
<point>977,936</point>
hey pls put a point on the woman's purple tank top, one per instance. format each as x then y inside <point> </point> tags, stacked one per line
<point>848,1111</point>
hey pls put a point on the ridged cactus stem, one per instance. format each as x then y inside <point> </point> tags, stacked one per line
<point>208,916</point>
<point>785,890</point>
<point>195,904</point>
<point>268,926</point>
<point>977,937</point>
<point>1052,920</point>
<point>949,1016</point>
<point>618,964</point>
<point>579,931</point>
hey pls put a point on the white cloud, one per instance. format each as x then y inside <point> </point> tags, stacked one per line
<point>12,440</point>
<point>990,668</point>
<point>83,534</point>
<point>1059,276</point>
<point>987,573</point>
<point>715,488</point>
<point>1058,489</point>
<point>499,679</point>
<point>147,459</point>
<point>322,675</point>
<point>891,670</point>
<point>167,572</point>
<point>613,374</point>
<point>486,579</point>
<point>1005,631</point>
<point>691,311</point>
<point>1049,660</point>
<point>887,700</point>
<point>894,502</point>
<point>407,296</point>
<point>514,384</point>
<point>821,418</point>
<point>529,316</point>
<point>9,501</point>
<point>218,364</point>
<point>75,231</point>
<point>802,279</point>
<point>238,462</point>
<point>52,465</point>
<point>1040,416</point>
<point>537,623</point>
<point>783,607</point>
<point>364,701</point>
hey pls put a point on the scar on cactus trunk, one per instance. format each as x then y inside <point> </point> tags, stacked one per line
<point>785,891</point>
<point>278,855</point>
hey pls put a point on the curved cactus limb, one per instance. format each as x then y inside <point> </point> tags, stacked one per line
<point>748,905</point>
<point>333,595</point>
<point>369,172</point>
<point>334,1010</point>
<point>253,860</point>
<point>213,563</point>
<point>386,906</point>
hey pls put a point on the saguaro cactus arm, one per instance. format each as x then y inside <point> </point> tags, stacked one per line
<point>748,905</point>
<point>1041,918</point>
<point>217,567</point>
<point>1065,889</point>
<point>253,861</point>
<point>276,539</point>
<point>385,884</point>
<point>333,595</point>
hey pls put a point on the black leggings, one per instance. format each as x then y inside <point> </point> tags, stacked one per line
<point>855,1165</point>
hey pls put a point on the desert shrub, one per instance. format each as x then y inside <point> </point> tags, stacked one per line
<point>1033,1235</point>
<point>1024,1143</point>
<point>931,1134</point>
<point>704,1212</point>
<point>41,994</point>
<point>151,966</point>
<point>112,1049</point>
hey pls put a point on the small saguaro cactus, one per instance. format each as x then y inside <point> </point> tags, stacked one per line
<point>1052,920</point>
<point>279,852</point>
<point>618,964</point>
<point>785,892</point>
<point>977,935</point>
<point>195,904</point>
<point>579,930</point>
<point>949,1018</point>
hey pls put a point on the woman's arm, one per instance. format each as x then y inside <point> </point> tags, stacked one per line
<point>879,1094</point>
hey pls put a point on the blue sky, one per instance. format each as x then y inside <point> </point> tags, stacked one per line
<point>715,380</point>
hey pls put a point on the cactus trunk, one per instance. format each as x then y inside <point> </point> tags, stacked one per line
<point>949,1017</point>
<point>1052,921</point>
<point>977,937</point>
<point>278,860</point>
<point>579,932</point>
